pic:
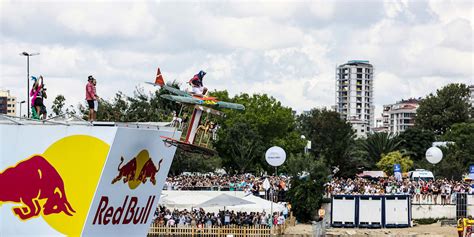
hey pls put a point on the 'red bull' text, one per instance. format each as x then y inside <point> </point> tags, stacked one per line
<point>128,213</point>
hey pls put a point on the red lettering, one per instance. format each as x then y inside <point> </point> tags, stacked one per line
<point>131,210</point>
<point>108,214</point>
<point>145,217</point>
<point>119,212</point>
<point>98,214</point>
<point>128,213</point>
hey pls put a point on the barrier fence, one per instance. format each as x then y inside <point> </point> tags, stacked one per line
<point>237,231</point>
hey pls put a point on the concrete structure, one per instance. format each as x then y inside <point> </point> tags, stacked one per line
<point>401,115</point>
<point>397,117</point>
<point>7,103</point>
<point>354,95</point>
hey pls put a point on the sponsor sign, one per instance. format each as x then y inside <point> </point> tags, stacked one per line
<point>80,180</point>
<point>397,168</point>
<point>471,169</point>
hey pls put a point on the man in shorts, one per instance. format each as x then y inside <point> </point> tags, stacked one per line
<point>91,97</point>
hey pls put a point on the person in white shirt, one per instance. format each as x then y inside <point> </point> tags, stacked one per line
<point>281,219</point>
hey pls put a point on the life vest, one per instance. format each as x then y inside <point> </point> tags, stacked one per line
<point>460,224</point>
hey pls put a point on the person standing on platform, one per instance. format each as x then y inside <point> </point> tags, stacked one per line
<point>91,97</point>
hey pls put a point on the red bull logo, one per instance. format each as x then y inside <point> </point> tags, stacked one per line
<point>37,186</point>
<point>138,170</point>
<point>129,213</point>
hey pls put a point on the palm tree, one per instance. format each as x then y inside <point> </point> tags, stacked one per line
<point>380,143</point>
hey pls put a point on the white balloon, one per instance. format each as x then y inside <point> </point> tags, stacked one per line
<point>434,155</point>
<point>275,156</point>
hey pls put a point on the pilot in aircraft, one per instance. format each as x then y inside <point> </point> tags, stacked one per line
<point>196,83</point>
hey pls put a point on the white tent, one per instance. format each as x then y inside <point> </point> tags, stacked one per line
<point>193,199</point>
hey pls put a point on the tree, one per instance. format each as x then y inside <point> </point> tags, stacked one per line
<point>306,192</point>
<point>186,162</point>
<point>416,141</point>
<point>331,138</point>
<point>395,157</point>
<point>246,135</point>
<point>58,104</point>
<point>450,105</point>
<point>378,144</point>
<point>458,155</point>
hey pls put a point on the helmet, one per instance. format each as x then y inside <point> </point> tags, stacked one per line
<point>201,74</point>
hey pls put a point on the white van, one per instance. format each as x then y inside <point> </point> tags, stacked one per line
<point>421,174</point>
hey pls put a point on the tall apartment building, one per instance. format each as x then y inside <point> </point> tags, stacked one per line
<point>7,103</point>
<point>398,117</point>
<point>354,95</point>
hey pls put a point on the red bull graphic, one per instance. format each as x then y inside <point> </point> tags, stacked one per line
<point>138,170</point>
<point>149,170</point>
<point>129,213</point>
<point>36,185</point>
<point>127,171</point>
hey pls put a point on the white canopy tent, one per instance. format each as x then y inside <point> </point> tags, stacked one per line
<point>193,199</point>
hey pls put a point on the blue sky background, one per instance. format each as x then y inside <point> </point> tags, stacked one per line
<point>286,49</point>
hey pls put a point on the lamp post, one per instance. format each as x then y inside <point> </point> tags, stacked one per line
<point>21,103</point>
<point>28,78</point>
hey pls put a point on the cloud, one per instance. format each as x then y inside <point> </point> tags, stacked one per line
<point>287,49</point>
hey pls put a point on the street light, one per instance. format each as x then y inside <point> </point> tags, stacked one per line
<point>28,78</point>
<point>21,103</point>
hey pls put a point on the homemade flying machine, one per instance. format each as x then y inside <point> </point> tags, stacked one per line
<point>196,132</point>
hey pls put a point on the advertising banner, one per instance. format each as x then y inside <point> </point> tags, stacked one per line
<point>80,180</point>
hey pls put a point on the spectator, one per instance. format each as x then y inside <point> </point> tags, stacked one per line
<point>441,191</point>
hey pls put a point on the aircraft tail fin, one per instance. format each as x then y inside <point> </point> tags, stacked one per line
<point>159,78</point>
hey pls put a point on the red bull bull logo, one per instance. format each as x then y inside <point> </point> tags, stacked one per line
<point>37,186</point>
<point>138,170</point>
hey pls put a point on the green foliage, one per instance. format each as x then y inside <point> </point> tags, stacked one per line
<point>380,143</point>
<point>426,221</point>
<point>359,161</point>
<point>306,193</point>
<point>246,135</point>
<point>416,141</point>
<point>395,157</point>
<point>58,104</point>
<point>457,156</point>
<point>450,105</point>
<point>141,107</point>
<point>186,162</point>
<point>331,138</point>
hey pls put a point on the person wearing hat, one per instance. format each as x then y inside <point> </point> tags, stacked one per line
<point>37,94</point>
<point>196,82</point>
<point>91,97</point>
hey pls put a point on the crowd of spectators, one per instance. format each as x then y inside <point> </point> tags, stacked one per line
<point>200,218</point>
<point>441,191</point>
<point>250,184</point>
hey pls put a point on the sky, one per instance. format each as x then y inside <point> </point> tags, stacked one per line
<point>288,50</point>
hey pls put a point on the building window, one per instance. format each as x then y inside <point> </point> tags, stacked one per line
<point>9,105</point>
<point>359,69</point>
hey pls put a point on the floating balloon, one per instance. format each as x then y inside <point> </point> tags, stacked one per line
<point>434,155</point>
<point>275,156</point>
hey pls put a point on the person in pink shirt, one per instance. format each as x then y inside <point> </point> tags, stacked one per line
<point>91,97</point>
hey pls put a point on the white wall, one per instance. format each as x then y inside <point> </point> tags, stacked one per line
<point>433,211</point>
